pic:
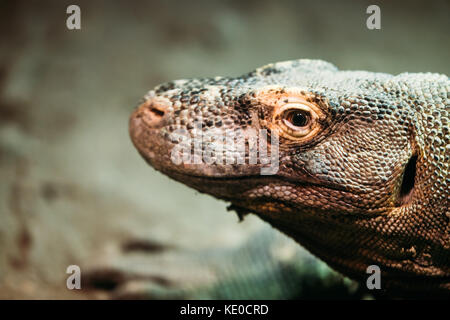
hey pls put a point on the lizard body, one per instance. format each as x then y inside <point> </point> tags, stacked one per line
<point>363,160</point>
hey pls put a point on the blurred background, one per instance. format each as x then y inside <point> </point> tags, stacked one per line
<point>74,191</point>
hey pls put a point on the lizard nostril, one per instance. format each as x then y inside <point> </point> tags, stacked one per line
<point>153,110</point>
<point>157,112</point>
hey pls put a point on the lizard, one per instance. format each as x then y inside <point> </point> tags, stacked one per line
<point>363,161</point>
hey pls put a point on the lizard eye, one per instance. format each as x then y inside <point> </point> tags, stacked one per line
<point>297,120</point>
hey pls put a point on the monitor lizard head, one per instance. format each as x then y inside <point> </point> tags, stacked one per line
<point>330,157</point>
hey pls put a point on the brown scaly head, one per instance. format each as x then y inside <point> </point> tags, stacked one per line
<point>356,168</point>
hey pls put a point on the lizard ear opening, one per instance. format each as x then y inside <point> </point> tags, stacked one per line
<point>409,176</point>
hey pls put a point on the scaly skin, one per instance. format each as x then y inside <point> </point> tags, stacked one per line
<point>363,161</point>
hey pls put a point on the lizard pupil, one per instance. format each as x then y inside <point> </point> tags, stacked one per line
<point>298,118</point>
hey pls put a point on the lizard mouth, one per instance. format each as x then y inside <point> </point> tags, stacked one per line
<point>247,181</point>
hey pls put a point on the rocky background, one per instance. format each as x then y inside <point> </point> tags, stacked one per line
<point>73,190</point>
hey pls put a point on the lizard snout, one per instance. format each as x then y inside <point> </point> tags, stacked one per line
<point>145,124</point>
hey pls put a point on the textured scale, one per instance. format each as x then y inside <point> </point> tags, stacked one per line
<point>370,187</point>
